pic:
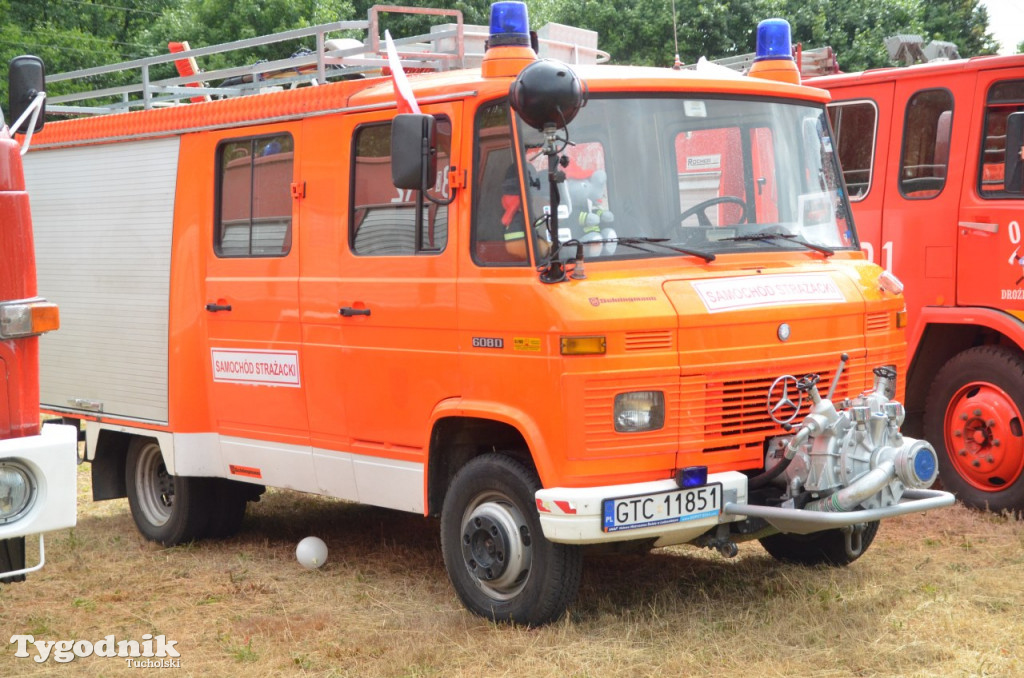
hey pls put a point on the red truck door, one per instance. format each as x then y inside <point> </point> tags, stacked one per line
<point>990,268</point>
<point>922,190</point>
<point>859,116</point>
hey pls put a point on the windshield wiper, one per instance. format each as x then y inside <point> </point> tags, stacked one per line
<point>638,242</point>
<point>768,236</point>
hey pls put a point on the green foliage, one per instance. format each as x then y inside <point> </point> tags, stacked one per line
<point>76,34</point>
<point>641,32</point>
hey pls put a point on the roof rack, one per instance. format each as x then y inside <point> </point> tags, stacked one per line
<point>447,46</point>
<point>810,62</point>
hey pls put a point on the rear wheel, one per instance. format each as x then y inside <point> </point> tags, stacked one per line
<point>829,547</point>
<point>167,509</point>
<point>973,418</point>
<point>496,555</point>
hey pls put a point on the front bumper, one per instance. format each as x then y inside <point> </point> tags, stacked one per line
<point>52,460</point>
<point>574,515</point>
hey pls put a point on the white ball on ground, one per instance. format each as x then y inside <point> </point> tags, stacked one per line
<point>311,552</point>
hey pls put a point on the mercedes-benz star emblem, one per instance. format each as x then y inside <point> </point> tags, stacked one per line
<point>784,410</point>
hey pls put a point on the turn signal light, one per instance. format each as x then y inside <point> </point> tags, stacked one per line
<point>28,318</point>
<point>584,345</point>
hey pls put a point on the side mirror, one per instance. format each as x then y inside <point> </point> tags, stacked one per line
<point>26,77</point>
<point>413,162</point>
<point>1013,177</point>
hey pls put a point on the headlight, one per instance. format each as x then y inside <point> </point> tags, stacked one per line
<point>17,491</point>
<point>639,411</point>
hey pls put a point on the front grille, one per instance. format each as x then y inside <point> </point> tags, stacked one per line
<point>649,340</point>
<point>878,322</point>
<point>719,419</point>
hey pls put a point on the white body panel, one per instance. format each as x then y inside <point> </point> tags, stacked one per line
<point>103,218</point>
<point>389,483</point>
<point>52,459</point>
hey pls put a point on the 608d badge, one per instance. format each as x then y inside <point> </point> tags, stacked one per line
<point>488,342</point>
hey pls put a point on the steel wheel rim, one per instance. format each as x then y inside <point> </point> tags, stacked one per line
<point>983,430</point>
<point>496,546</point>
<point>155,487</point>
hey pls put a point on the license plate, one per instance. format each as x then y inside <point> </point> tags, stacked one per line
<point>662,508</point>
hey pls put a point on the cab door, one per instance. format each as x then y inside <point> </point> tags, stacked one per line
<point>862,123</point>
<point>990,266</point>
<point>922,190</point>
<point>378,304</point>
<point>251,297</point>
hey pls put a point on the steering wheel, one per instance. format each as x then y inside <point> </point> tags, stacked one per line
<point>700,209</point>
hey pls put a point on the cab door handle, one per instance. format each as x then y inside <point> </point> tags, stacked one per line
<point>213,308</point>
<point>348,311</point>
<point>978,226</point>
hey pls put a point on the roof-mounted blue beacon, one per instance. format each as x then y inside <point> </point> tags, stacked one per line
<point>509,48</point>
<point>773,59</point>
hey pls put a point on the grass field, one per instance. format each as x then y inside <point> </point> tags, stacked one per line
<point>936,595</point>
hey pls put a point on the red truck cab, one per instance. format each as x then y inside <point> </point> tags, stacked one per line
<point>37,466</point>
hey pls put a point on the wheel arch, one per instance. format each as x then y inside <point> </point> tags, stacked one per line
<point>941,334</point>
<point>107,450</point>
<point>464,432</point>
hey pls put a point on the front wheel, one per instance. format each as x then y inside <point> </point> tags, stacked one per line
<point>496,555</point>
<point>829,547</point>
<point>167,509</point>
<point>973,418</point>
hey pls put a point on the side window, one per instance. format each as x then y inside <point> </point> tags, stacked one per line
<point>855,124</point>
<point>387,221</point>
<point>254,202</point>
<point>1003,99</point>
<point>499,227</point>
<point>925,154</point>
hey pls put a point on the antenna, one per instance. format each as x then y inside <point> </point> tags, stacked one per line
<point>675,38</point>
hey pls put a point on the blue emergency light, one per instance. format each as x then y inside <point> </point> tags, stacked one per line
<point>773,40</point>
<point>510,25</point>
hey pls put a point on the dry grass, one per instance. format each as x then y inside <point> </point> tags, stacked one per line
<point>936,595</point>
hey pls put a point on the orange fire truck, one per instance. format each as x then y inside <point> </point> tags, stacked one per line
<point>559,307</point>
<point>932,159</point>
<point>37,467</point>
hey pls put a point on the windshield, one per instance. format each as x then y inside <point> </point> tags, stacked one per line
<point>661,176</point>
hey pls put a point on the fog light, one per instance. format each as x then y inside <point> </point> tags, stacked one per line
<point>17,491</point>
<point>639,411</point>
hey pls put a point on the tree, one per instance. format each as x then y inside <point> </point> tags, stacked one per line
<point>641,32</point>
<point>964,22</point>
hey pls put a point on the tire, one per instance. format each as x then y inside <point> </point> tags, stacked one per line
<point>496,555</point>
<point>12,557</point>
<point>228,499</point>
<point>167,509</point>
<point>818,548</point>
<point>973,419</point>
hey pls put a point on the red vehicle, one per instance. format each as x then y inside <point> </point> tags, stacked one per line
<point>931,155</point>
<point>37,467</point>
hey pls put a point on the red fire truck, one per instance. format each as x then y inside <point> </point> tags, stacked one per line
<point>37,467</point>
<point>931,155</point>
